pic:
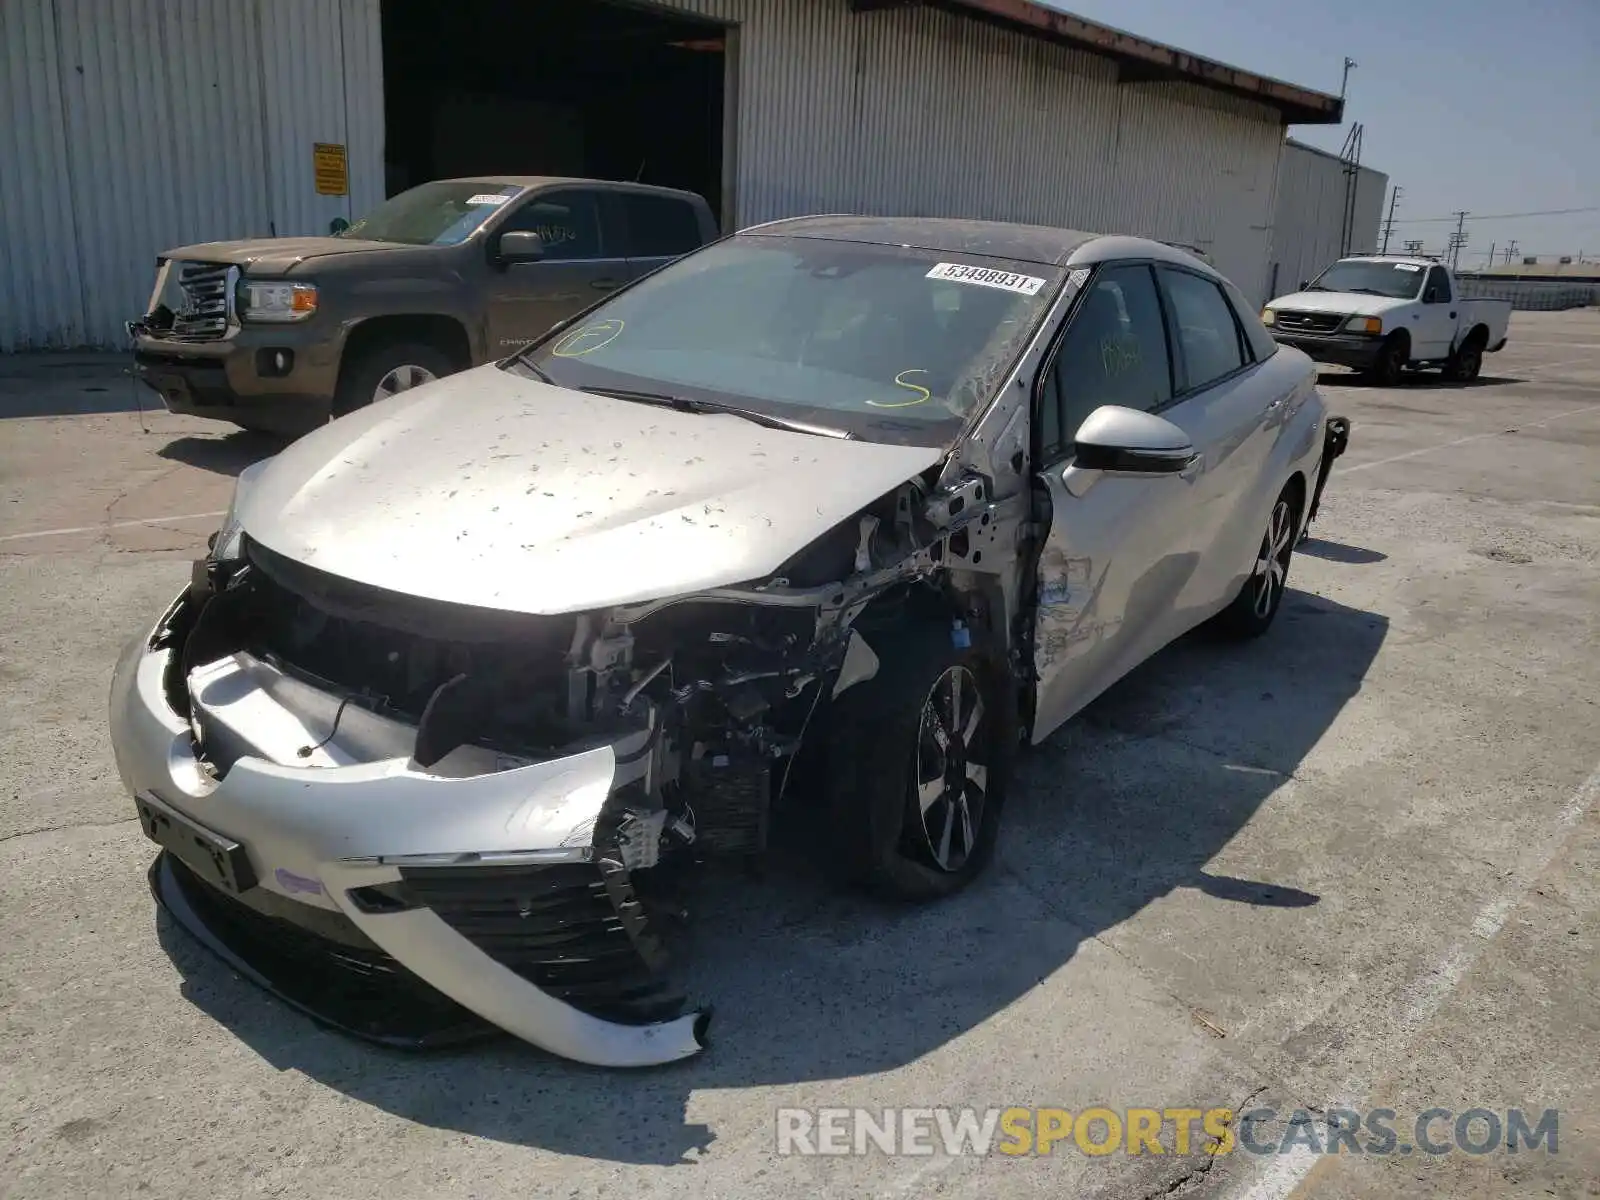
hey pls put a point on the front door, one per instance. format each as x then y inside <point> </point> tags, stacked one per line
<point>583,260</point>
<point>1120,547</point>
<point>1435,327</point>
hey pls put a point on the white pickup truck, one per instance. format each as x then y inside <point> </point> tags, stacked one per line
<point>1385,315</point>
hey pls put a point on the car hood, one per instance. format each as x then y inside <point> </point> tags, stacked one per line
<point>490,489</point>
<point>1354,303</point>
<point>266,257</point>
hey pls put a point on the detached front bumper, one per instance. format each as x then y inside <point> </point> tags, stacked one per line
<point>1359,351</point>
<point>470,890</point>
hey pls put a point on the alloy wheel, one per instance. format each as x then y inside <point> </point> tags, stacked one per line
<point>402,379</point>
<point>952,776</point>
<point>1272,563</point>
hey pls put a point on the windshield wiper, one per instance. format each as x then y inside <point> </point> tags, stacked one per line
<point>685,404</point>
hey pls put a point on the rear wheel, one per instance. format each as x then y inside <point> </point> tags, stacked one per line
<point>1253,609</point>
<point>387,370</point>
<point>1466,363</point>
<point>918,759</point>
<point>1391,361</point>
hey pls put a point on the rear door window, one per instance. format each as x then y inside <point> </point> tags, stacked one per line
<point>1210,346</point>
<point>1261,343</point>
<point>659,226</point>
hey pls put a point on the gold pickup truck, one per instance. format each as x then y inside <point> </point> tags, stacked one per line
<point>279,334</point>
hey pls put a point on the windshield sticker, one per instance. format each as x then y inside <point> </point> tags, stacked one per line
<point>1009,281</point>
<point>1406,267</point>
<point>922,397</point>
<point>486,198</point>
<point>587,340</point>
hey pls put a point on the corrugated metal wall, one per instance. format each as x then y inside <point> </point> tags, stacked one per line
<point>138,125</point>
<point>1308,226</point>
<point>918,111</point>
<point>128,127</point>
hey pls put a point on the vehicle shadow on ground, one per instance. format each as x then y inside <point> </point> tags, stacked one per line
<point>225,455</point>
<point>1340,553</point>
<point>72,390</point>
<point>1423,380</point>
<point>1122,807</point>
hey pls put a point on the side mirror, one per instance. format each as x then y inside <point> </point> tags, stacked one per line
<point>521,246</point>
<point>1130,442</point>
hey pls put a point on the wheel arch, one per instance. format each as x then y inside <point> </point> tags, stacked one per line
<point>445,333</point>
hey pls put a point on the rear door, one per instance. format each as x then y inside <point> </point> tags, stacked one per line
<point>656,229</point>
<point>1117,551</point>
<point>583,260</point>
<point>1227,407</point>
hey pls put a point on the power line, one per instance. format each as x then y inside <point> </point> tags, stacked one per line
<point>1493,216</point>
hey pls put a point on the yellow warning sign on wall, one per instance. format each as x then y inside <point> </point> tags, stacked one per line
<point>329,166</point>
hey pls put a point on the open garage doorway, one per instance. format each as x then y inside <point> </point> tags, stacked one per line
<point>553,87</point>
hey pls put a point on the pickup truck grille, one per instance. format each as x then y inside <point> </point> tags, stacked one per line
<point>1309,322</point>
<point>207,302</point>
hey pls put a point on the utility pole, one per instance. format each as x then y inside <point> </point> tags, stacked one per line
<point>1490,263</point>
<point>1511,251</point>
<point>1458,239</point>
<point>1414,248</point>
<point>1388,226</point>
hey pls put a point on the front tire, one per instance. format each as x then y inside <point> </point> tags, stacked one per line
<point>1392,359</point>
<point>388,369</point>
<point>1253,609</point>
<point>918,761</point>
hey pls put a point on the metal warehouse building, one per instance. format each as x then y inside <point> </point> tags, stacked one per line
<point>1326,208</point>
<point>131,126</point>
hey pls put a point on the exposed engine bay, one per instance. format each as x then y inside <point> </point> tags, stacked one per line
<point>706,702</point>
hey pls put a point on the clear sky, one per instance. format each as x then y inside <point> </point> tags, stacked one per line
<point>1488,105</point>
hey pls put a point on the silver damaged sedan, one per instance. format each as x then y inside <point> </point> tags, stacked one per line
<point>835,513</point>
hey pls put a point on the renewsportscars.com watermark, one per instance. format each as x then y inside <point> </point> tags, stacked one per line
<point>974,1132</point>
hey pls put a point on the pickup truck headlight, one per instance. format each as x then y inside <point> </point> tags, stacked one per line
<point>1268,317</point>
<point>277,301</point>
<point>1364,325</point>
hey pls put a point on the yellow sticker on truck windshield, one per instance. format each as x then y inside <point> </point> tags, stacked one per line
<point>1008,281</point>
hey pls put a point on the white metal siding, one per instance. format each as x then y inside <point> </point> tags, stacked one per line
<point>133,126</point>
<point>916,111</point>
<point>1308,226</point>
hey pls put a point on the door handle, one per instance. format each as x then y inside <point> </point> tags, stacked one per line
<point>1452,316</point>
<point>605,285</point>
<point>1274,406</point>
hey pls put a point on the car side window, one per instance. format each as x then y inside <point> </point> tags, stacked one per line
<point>568,222</point>
<point>1209,343</point>
<point>659,226</point>
<point>1113,352</point>
<point>1262,344</point>
<point>1437,289</point>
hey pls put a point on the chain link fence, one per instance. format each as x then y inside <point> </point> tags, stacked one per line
<point>1531,295</point>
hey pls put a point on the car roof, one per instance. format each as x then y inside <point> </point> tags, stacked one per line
<point>538,181</point>
<point>1043,244</point>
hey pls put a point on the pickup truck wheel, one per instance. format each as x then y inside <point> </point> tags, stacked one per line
<point>1391,361</point>
<point>387,370</point>
<point>1466,363</point>
<point>917,764</point>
